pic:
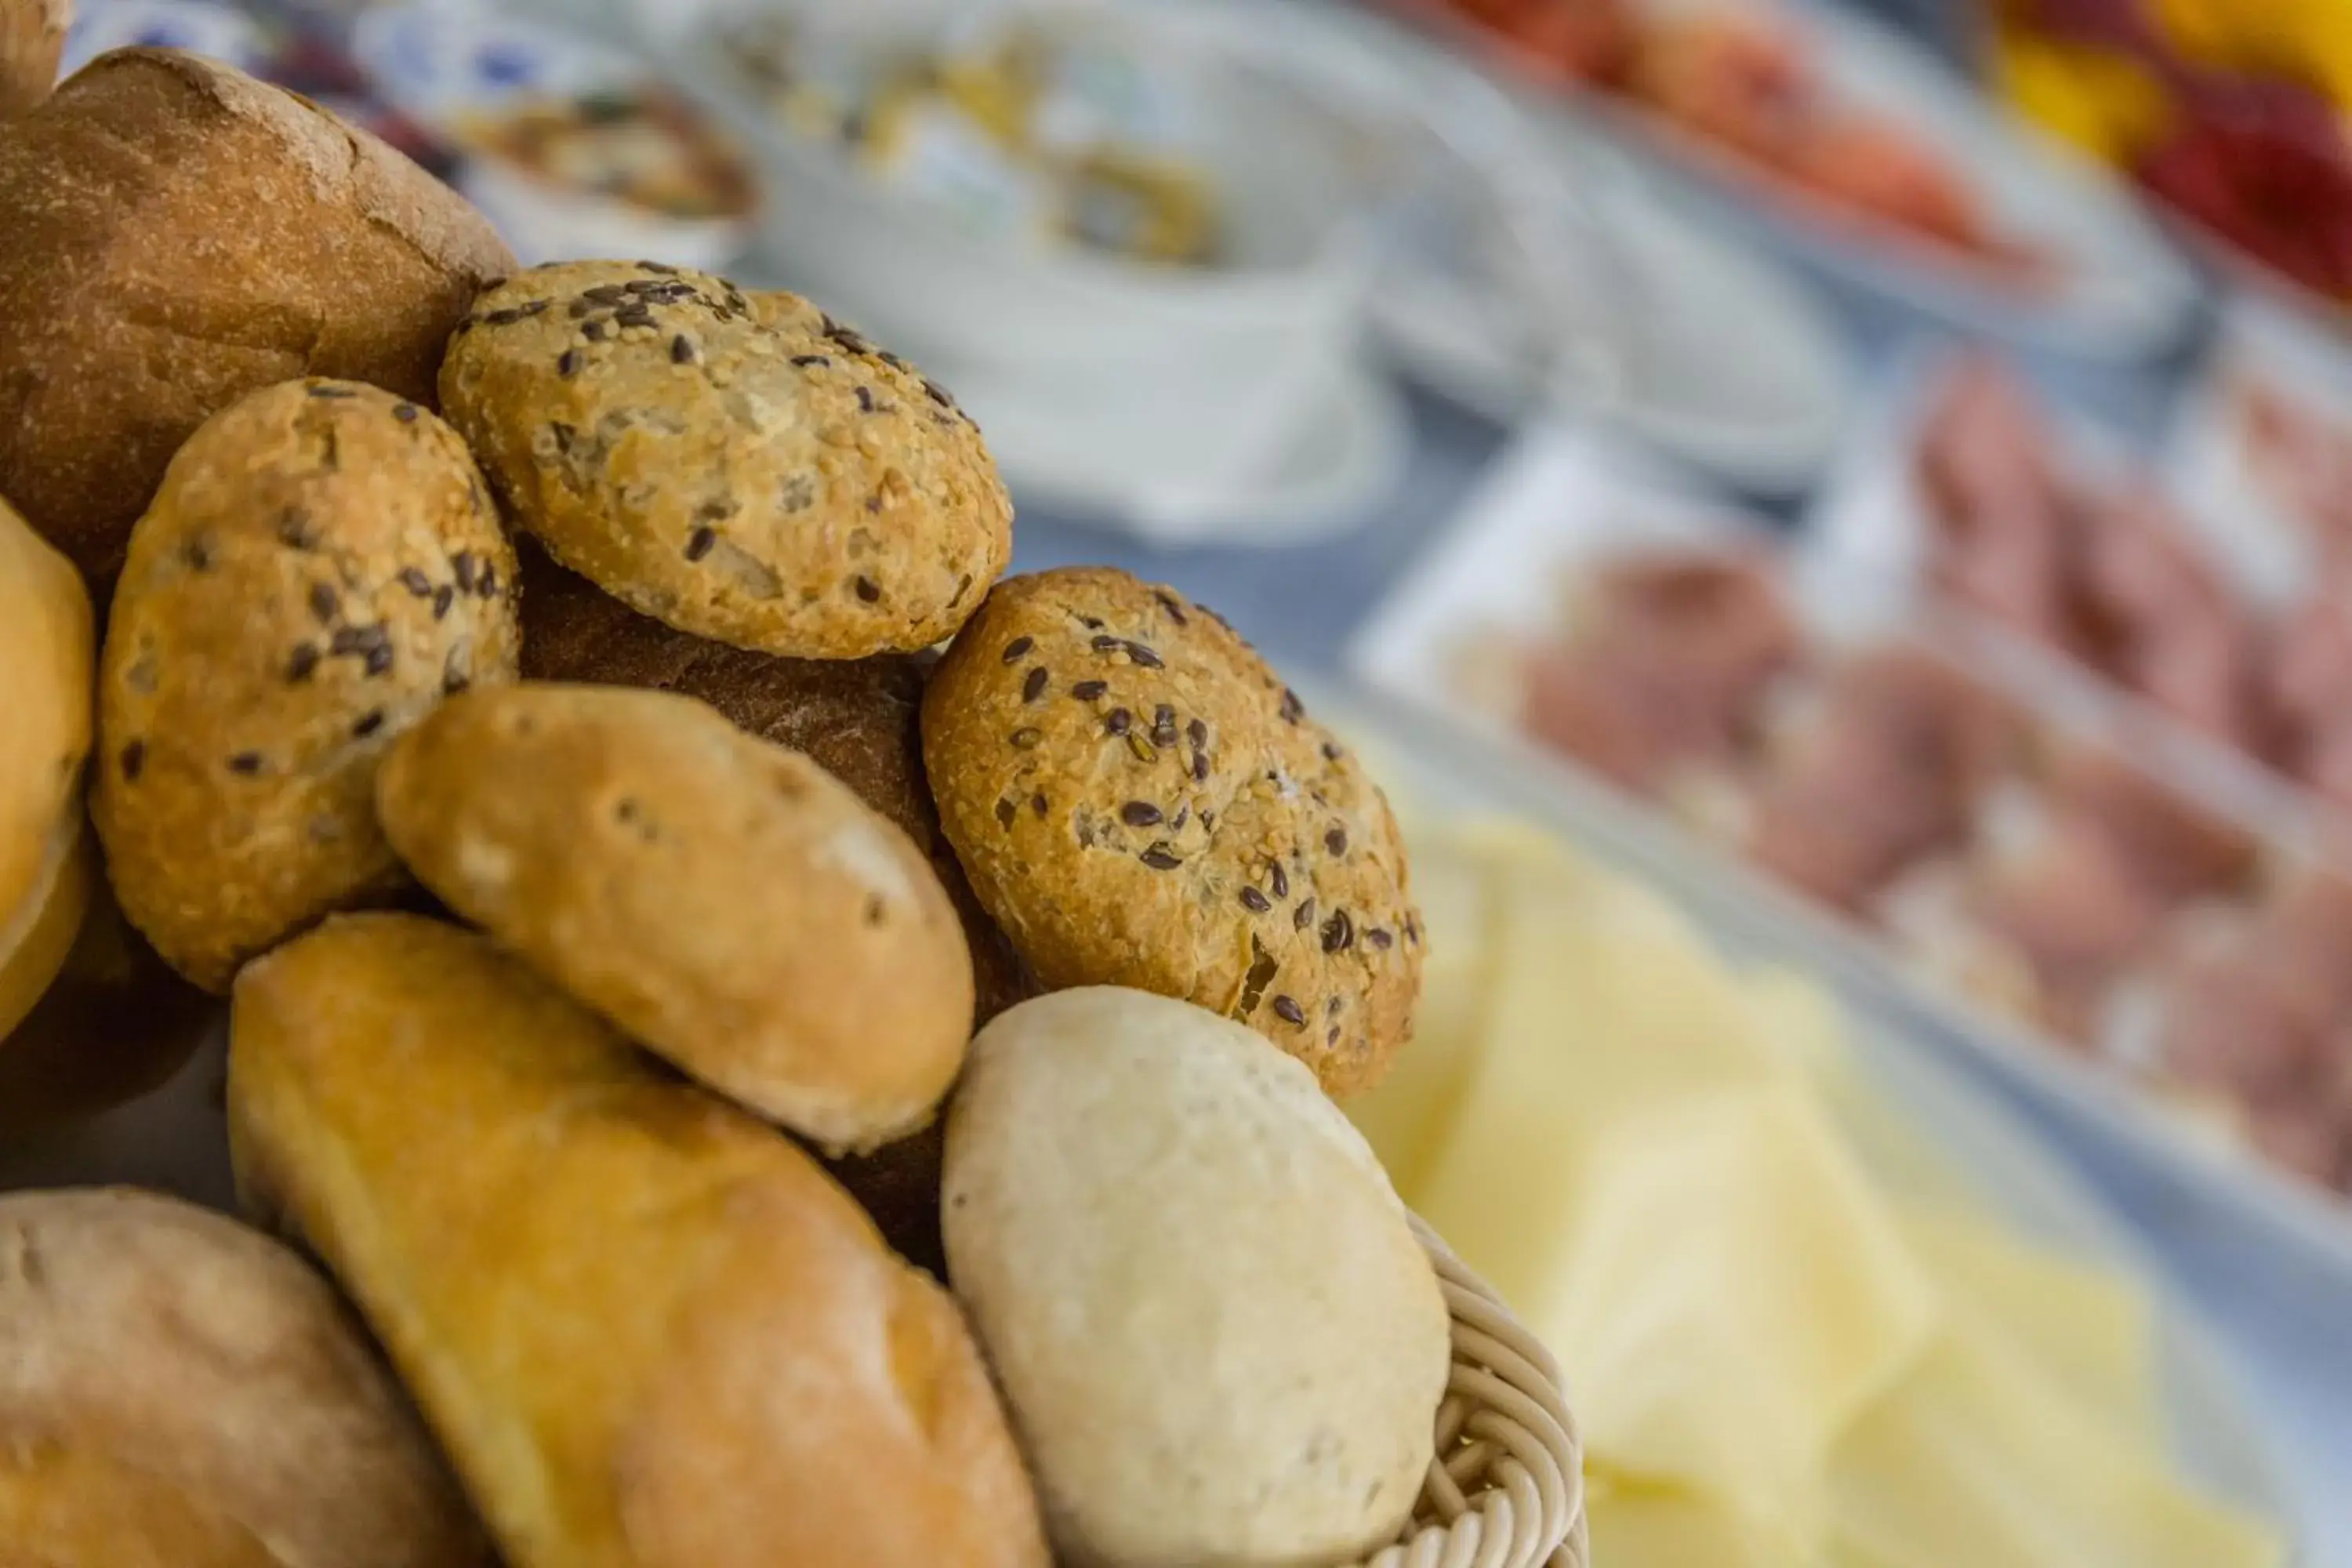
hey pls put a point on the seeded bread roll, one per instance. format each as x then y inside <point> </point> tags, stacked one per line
<point>179,235</point>
<point>727,902</point>
<point>45,680</point>
<point>650,1330</point>
<point>32,36</point>
<point>743,471</point>
<point>179,1392</point>
<point>1139,800</point>
<point>320,567</point>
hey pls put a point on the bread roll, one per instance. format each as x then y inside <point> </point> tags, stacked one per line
<point>32,36</point>
<point>860,720</point>
<point>179,235</point>
<point>320,567</point>
<point>1219,1337</point>
<point>178,1391</point>
<point>45,686</point>
<point>649,1329</point>
<point>727,904</point>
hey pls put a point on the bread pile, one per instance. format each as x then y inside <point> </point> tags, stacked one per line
<point>577,901</point>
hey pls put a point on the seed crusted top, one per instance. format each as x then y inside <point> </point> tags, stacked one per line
<point>1140,802</point>
<point>321,566</point>
<point>736,465</point>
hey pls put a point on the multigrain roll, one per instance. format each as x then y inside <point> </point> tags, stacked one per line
<point>727,902</point>
<point>321,566</point>
<point>45,861</point>
<point>179,1392</point>
<point>1139,800</point>
<point>650,1330</point>
<point>179,235</point>
<point>744,470</point>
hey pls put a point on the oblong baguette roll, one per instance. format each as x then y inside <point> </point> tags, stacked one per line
<point>32,37</point>
<point>650,1330</point>
<point>177,1390</point>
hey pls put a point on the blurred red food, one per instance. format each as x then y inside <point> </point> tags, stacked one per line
<point>2148,609</point>
<point>2267,170</point>
<point>2179,850</point>
<point>1998,501</point>
<point>1888,771</point>
<point>1672,653</point>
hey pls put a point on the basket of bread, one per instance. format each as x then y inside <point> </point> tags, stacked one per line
<point>753,1036</point>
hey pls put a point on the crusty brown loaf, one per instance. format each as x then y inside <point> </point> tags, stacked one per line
<point>743,474</point>
<point>179,1392</point>
<point>650,1330</point>
<point>860,719</point>
<point>179,235</point>
<point>1140,802</point>
<point>32,36</point>
<point>727,902</point>
<point>320,566</point>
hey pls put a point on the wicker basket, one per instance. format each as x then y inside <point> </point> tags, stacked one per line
<point>1507,1487</point>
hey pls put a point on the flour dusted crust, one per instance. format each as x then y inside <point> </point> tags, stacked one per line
<point>182,235</point>
<point>725,902</point>
<point>647,1329</point>
<point>744,469</point>
<point>321,568</point>
<point>1139,800</point>
<point>177,1391</point>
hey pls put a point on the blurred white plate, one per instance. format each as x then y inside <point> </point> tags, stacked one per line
<point>1345,457</point>
<point>222,32</point>
<point>1495,566</point>
<point>438,62</point>
<point>2122,293</point>
<point>1700,348</point>
<point>2303,360</point>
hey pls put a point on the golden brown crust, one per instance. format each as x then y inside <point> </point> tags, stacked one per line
<point>724,901</point>
<point>184,235</point>
<point>320,566</point>
<point>733,470</point>
<point>46,669</point>
<point>32,37</point>
<point>860,720</point>
<point>648,1328</point>
<point>177,1389</point>
<point>1139,802</point>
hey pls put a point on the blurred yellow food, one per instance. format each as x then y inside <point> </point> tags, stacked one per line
<point>2106,104</point>
<point>1794,1336</point>
<point>2307,41</point>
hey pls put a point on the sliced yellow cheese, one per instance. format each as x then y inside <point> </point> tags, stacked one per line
<point>1658,1527</point>
<point>1980,1459</point>
<point>2087,1331</point>
<point>1642,1175</point>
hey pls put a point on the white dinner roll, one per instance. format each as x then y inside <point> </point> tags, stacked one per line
<point>1221,1342</point>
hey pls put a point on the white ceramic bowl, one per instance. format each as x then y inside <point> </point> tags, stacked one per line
<point>436,63</point>
<point>1225,363</point>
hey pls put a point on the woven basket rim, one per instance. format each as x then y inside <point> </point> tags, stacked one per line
<point>1507,1487</point>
